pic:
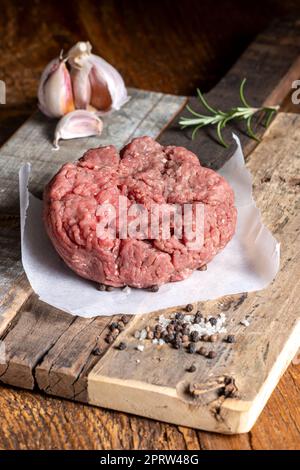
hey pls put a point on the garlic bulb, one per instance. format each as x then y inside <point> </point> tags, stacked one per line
<point>103,81</point>
<point>78,123</point>
<point>91,84</point>
<point>55,89</point>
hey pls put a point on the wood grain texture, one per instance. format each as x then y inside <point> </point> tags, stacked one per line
<point>262,351</point>
<point>31,421</point>
<point>189,43</point>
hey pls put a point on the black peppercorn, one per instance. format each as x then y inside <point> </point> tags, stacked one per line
<point>194,336</point>
<point>101,287</point>
<point>230,339</point>
<point>109,288</point>
<point>125,319</point>
<point>189,307</point>
<point>179,316</point>
<point>109,339</point>
<point>170,338</point>
<point>213,321</point>
<point>154,288</point>
<point>192,368</point>
<point>121,346</point>
<point>192,348</point>
<point>97,351</point>
<point>177,343</point>
<point>211,354</point>
<point>203,268</point>
<point>113,326</point>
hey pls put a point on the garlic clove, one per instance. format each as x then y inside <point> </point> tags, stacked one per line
<point>104,72</point>
<point>78,123</point>
<point>55,89</point>
<point>100,94</point>
<point>81,86</point>
<point>108,90</point>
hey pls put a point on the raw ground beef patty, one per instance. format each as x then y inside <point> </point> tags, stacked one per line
<point>145,172</point>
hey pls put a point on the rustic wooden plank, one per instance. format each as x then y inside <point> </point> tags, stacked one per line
<point>38,328</point>
<point>270,64</point>
<point>262,351</point>
<point>59,381</point>
<point>64,370</point>
<point>32,142</point>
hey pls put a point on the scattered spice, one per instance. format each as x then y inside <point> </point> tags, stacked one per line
<point>185,330</point>
<point>194,336</point>
<point>230,339</point>
<point>205,337</point>
<point>179,316</point>
<point>109,339</point>
<point>97,351</point>
<point>202,268</point>
<point>125,319</point>
<point>213,338</point>
<point>115,333</point>
<point>192,368</point>
<point>177,343</point>
<point>189,308</point>
<point>211,354</point>
<point>126,289</point>
<point>245,322</point>
<point>101,287</point>
<point>121,325</point>
<point>121,346</point>
<point>191,348</point>
<point>202,351</point>
<point>143,334</point>
<point>109,288</point>
<point>113,326</point>
<point>154,288</point>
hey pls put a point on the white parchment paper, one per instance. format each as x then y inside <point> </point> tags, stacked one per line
<point>249,262</point>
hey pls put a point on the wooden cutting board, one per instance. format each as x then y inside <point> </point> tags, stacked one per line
<point>49,350</point>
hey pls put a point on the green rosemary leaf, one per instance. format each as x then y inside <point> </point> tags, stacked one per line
<point>270,114</point>
<point>250,131</point>
<point>219,132</point>
<point>221,118</point>
<point>205,103</point>
<point>196,130</point>
<point>242,95</point>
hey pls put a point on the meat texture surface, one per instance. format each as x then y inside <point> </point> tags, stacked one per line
<point>145,173</point>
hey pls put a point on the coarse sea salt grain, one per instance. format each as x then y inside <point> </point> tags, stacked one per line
<point>245,322</point>
<point>143,335</point>
<point>126,289</point>
<point>140,347</point>
<point>204,327</point>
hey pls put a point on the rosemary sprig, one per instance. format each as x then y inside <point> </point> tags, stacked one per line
<point>221,118</point>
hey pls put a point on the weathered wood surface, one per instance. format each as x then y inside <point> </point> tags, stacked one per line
<point>146,112</point>
<point>189,435</point>
<point>263,350</point>
<point>274,54</point>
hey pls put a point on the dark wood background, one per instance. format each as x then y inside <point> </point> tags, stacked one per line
<point>166,45</point>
